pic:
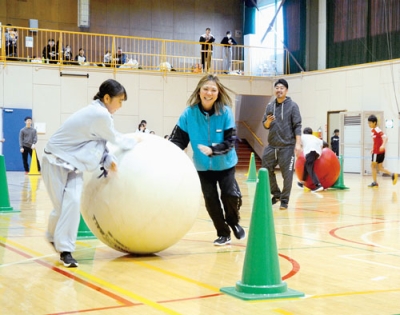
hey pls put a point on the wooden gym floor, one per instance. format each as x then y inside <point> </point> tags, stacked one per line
<point>341,248</point>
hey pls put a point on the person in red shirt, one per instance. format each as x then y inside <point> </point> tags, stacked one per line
<point>378,151</point>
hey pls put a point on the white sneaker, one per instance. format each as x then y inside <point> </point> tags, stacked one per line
<point>318,188</point>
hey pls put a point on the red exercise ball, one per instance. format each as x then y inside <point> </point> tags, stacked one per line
<point>327,168</point>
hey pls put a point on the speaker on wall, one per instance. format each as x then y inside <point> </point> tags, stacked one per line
<point>33,25</point>
<point>83,13</point>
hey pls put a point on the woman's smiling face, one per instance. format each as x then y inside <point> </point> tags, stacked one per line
<point>208,94</point>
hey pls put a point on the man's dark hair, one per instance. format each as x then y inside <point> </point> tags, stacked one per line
<point>283,82</point>
<point>373,118</point>
<point>307,131</point>
<point>336,130</point>
<point>27,117</point>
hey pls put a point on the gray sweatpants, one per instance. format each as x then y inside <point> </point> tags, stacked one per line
<point>284,157</point>
<point>64,187</point>
<point>227,59</point>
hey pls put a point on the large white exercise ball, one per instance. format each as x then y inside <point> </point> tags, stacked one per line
<point>149,204</point>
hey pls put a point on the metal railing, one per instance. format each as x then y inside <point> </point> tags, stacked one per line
<point>19,44</point>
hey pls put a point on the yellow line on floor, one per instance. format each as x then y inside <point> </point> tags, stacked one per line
<point>125,292</point>
<point>175,275</point>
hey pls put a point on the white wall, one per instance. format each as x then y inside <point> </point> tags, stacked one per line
<point>160,98</point>
<point>370,87</point>
<point>156,97</point>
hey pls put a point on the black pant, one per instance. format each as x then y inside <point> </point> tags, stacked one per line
<point>206,59</point>
<point>309,167</point>
<point>29,151</point>
<point>231,198</point>
<point>284,156</point>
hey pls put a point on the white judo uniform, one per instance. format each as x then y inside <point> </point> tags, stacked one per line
<point>78,145</point>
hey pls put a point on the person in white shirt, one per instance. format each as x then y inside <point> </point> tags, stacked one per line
<point>312,148</point>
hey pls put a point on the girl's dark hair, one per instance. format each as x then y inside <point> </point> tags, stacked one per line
<point>112,88</point>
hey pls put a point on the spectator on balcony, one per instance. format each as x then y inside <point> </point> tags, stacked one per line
<point>107,59</point>
<point>50,52</point>
<point>67,54</point>
<point>80,57</point>
<point>11,37</point>
<point>206,48</point>
<point>120,57</point>
<point>228,41</point>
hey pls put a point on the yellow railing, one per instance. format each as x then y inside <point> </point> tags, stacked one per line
<point>19,44</point>
<point>252,133</point>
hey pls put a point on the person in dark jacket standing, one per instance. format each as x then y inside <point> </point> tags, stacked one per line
<point>283,120</point>
<point>209,125</point>
<point>206,41</point>
<point>335,142</point>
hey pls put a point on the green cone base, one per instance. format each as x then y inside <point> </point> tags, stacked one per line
<point>340,187</point>
<point>8,210</point>
<point>288,293</point>
<point>85,235</point>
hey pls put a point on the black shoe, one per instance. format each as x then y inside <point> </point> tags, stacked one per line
<point>274,200</point>
<point>238,232</point>
<point>300,185</point>
<point>222,240</point>
<point>283,206</point>
<point>67,259</point>
<point>373,184</point>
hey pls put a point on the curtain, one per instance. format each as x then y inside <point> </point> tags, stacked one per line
<point>294,29</point>
<point>362,31</point>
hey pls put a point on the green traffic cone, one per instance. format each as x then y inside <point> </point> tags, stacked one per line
<point>261,277</point>
<point>4,196</point>
<point>252,173</point>
<point>83,231</point>
<point>339,184</point>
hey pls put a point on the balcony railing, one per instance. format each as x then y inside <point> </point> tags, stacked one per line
<point>19,44</point>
